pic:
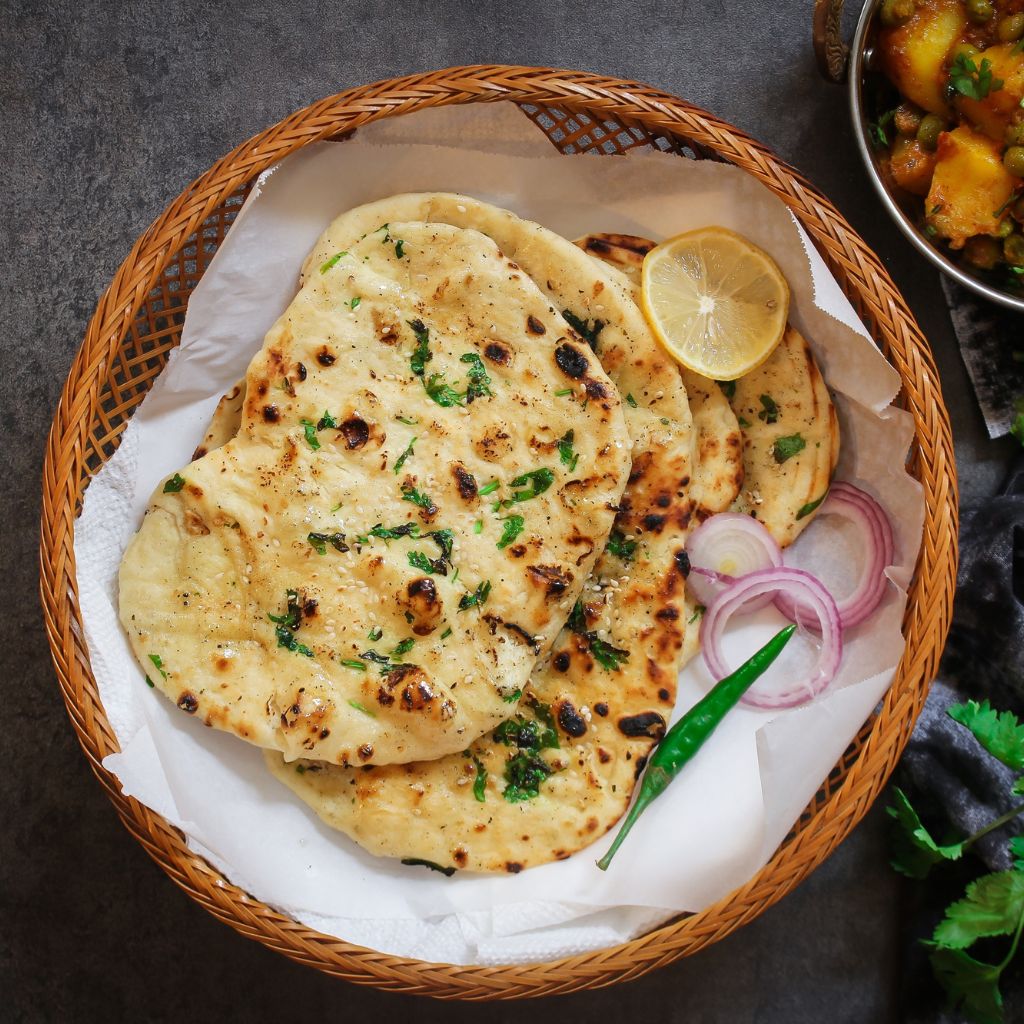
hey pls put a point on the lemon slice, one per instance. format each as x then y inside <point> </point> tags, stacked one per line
<point>717,302</point>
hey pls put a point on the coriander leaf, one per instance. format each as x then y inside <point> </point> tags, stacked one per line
<point>359,666</point>
<point>562,392</point>
<point>698,611</point>
<point>512,528</point>
<point>743,422</point>
<point>971,80</point>
<point>324,267</point>
<point>395,532</point>
<point>806,510</point>
<point>1017,850</point>
<point>786,447</point>
<point>565,452</point>
<point>418,498</point>
<point>319,541</point>
<point>418,560</point>
<point>355,704</point>
<point>421,354</point>
<point>539,480</point>
<point>405,455</point>
<point>440,392</point>
<point>998,732</point>
<point>586,329</point>
<point>375,634</point>
<point>408,422</point>
<point>477,598</point>
<point>631,401</point>
<point>972,986</point>
<point>769,410</point>
<point>524,773</point>
<point>478,526</point>
<point>488,488</point>
<point>607,656</point>
<point>1017,789</point>
<point>914,850</point>
<point>175,484</point>
<point>480,782</point>
<point>479,381</point>
<point>311,439</point>
<point>404,647</point>
<point>511,698</point>
<point>728,388</point>
<point>447,633</point>
<point>993,905</point>
<point>577,621</point>
<point>877,129</point>
<point>326,421</point>
<point>354,304</point>
<point>158,662</point>
<point>620,547</point>
<point>418,862</point>
<point>400,248</point>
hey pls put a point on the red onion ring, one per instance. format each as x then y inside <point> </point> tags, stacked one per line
<point>812,599</point>
<point>878,546</point>
<point>725,547</point>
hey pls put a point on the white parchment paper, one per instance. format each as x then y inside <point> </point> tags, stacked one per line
<point>723,817</point>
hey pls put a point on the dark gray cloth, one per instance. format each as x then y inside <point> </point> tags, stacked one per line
<point>955,785</point>
<point>991,341</point>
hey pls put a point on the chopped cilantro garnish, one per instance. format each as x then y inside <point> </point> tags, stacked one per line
<point>565,453</point>
<point>288,624</point>
<point>359,666</point>
<point>400,248</point>
<point>698,611</point>
<point>786,447</point>
<point>158,662</point>
<point>175,484</point>
<point>511,698</point>
<point>512,528</point>
<point>577,621</point>
<point>728,388</point>
<point>149,682</point>
<point>586,329</point>
<point>478,526</point>
<point>447,633</point>
<point>523,775</point>
<point>479,381</point>
<point>488,488</point>
<point>354,304</point>
<point>769,410</point>
<point>354,703</point>
<point>440,392</point>
<point>971,80</point>
<point>327,264</point>
<point>631,401</point>
<point>445,540</point>
<point>480,782</point>
<point>418,560</point>
<point>418,498</point>
<point>877,129</point>
<point>404,647</point>
<point>620,547</point>
<point>806,510</point>
<point>476,598</point>
<point>405,455</point>
<point>539,480</point>
<point>375,634</point>
<point>421,354</point>
<point>326,422</point>
<point>743,422</point>
<point>563,392</point>
<point>319,542</point>
<point>408,422</point>
<point>311,439</point>
<point>392,532</point>
<point>607,656</point>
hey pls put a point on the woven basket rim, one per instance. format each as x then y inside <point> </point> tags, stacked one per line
<point>929,610</point>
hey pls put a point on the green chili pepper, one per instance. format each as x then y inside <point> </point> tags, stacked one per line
<point>687,736</point>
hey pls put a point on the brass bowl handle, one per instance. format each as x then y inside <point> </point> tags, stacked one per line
<point>829,49</point>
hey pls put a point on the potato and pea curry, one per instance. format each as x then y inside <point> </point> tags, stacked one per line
<point>949,123</point>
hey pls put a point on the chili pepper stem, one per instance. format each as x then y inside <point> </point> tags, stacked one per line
<point>687,736</point>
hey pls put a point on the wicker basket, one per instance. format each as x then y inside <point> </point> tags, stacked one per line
<point>138,321</point>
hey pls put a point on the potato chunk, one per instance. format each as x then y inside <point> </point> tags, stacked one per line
<point>911,166</point>
<point>913,54</point>
<point>993,113</point>
<point>969,185</point>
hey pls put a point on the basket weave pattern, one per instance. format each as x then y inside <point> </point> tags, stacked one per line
<point>138,322</point>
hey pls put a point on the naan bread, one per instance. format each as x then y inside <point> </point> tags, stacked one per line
<point>392,639</point>
<point>718,467</point>
<point>606,710</point>
<point>786,397</point>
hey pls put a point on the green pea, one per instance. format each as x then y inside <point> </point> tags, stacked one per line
<point>896,12</point>
<point>1010,28</point>
<point>980,11</point>
<point>1013,161</point>
<point>1004,228</point>
<point>1014,135</point>
<point>929,130</point>
<point>983,252</point>
<point>963,49</point>
<point>1013,250</point>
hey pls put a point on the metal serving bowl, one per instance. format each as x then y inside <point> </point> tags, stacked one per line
<point>834,59</point>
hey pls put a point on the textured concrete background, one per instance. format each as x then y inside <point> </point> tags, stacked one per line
<point>107,110</point>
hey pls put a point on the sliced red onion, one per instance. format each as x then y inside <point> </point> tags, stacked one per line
<point>815,603</point>
<point>867,515</point>
<point>724,547</point>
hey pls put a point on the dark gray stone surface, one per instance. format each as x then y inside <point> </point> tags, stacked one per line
<point>107,110</point>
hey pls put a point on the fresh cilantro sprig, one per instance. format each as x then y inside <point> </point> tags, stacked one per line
<point>565,453</point>
<point>972,80</point>
<point>588,330</point>
<point>993,905</point>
